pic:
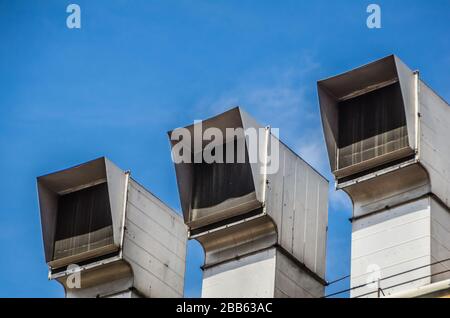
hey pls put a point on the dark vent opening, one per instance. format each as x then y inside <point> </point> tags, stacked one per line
<point>217,182</point>
<point>84,221</point>
<point>371,125</point>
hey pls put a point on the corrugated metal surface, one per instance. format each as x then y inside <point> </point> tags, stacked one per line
<point>297,199</point>
<point>395,241</point>
<point>434,141</point>
<point>87,224</point>
<point>388,189</point>
<point>440,240</point>
<point>404,239</point>
<point>292,282</point>
<point>154,244</point>
<point>399,225</point>
<point>268,273</point>
<point>252,276</point>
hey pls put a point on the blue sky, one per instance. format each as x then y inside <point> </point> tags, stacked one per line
<point>137,69</point>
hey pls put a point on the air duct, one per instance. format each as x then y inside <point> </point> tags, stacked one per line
<point>263,222</point>
<point>387,137</point>
<point>104,229</point>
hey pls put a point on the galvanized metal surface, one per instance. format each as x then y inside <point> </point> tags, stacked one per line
<point>51,186</point>
<point>188,176</point>
<point>268,273</point>
<point>393,241</point>
<point>150,248</point>
<point>434,141</point>
<point>291,201</point>
<point>400,202</point>
<point>297,201</point>
<point>388,190</point>
<point>293,282</point>
<point>249,277</point>
<point>112,278</point>
<point>440,240</point>
<point>365,81</point>
<point>399,240</point>
<point>154,244</point>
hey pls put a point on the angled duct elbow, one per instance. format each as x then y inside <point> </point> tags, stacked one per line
<point>368,116</point>
<point>238,208</point>
<point>99,223</point>
<point>387,138</point>
<point>381,119</point>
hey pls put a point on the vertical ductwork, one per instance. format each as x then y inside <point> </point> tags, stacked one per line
<point>106,236</point>
<point>263,222</point>
<point>387,139</point>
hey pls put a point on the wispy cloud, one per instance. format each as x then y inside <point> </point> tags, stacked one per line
<point>277,96</point>
<point>311,147</point>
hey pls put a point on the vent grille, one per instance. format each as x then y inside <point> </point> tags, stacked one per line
<point>371,125</point>
<point>84,222</point>
<point>216,183</point>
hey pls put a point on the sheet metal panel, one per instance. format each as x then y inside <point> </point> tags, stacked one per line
<point>146,202</point>
<point>116,187</point>
<point>248,277</point>
<point>440,240</point>
<point>302,189</point>
<point>155,242</point>
<point>288,204</point>
<point>120,286</point>
<point>388,189</point>
<point>48,206</point>
<point>355,86</point>
<point>291,281</point>
<point>322,229</point>
<point>311,216</point>
<point>371,289</point>
<point>151,286</point>
<point>341,89</point>
<point>394,240</point>
<point>297,199</point>
<point>295,218</point>
<point>258,177</point>
<point>274,193</point>
<point>160,254</point>
<point>434,145</point>
<point>158,267</point>
<point>407,78</point>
